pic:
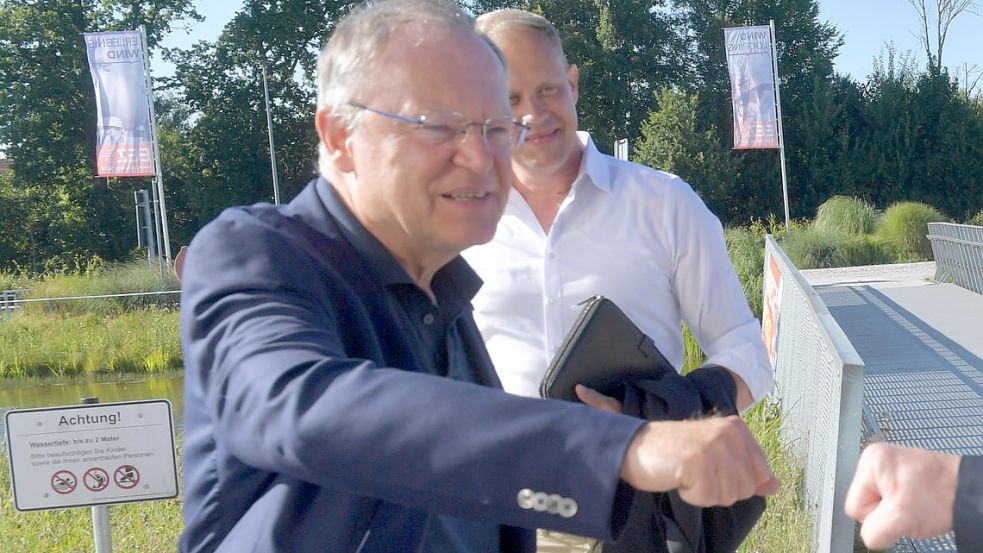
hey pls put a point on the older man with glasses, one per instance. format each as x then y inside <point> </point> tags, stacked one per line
<point>338,396</point>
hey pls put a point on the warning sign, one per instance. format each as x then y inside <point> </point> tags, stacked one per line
<point>126,476</point>
<point>96,479</point>
<point>63,482</point>
<point>108,445</point>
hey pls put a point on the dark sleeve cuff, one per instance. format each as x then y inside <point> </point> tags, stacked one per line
<point>967,516</point>
<point>717,388</point>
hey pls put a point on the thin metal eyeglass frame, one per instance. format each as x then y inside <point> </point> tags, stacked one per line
<point>520,139</point>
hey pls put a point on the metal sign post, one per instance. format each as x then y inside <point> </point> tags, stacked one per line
<point>159,189</point>
<point>269,125</point>
<point>621,148</point>
<point>102,533</point>
<point>778,104</point>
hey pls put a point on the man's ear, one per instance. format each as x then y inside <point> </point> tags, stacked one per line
<point>573,77</point>
<point>334,132</point>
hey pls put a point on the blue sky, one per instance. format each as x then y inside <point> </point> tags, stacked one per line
<point>867,25</point>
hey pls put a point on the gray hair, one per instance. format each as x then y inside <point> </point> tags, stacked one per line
<point>361,35</point>
<point>496,22</point>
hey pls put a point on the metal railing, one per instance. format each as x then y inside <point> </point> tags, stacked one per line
<point>819,380</point>
<point>9,301</point>
<point>958,252</point>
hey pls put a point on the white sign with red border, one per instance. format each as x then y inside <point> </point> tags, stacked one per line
<point>98,454</point>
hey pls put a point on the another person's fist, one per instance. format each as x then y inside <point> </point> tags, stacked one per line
<point>900,491</point>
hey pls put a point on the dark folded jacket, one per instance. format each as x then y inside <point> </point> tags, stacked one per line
<point>663,522</point>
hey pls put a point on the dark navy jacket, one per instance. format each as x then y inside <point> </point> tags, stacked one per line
<point>312,425</point>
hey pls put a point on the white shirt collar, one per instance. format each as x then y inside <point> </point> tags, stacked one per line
<point>593,166</point>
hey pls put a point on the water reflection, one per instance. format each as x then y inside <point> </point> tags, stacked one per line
<point>32,393</point>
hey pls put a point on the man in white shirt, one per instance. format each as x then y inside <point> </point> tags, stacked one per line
<point>580,223</point>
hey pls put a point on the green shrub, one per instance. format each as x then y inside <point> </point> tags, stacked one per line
<point>14,281</point>
<point>976,219</point>
<point>746,246</point>
<point>866,249</point>
<point>846,215</point>
<point>814,248</point>
<point>905,226</point>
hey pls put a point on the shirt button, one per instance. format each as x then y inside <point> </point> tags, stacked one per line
<point>524,498</point>
<point>428,319</point>
<point>567,507</point>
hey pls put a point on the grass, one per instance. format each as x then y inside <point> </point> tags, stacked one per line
<point>785,527</point>
<point>125,278</point>
<point>846,215</point>
<point>905,226</point>
<point>815,248</point>
<point>92,336</point>
<point>138,341</point>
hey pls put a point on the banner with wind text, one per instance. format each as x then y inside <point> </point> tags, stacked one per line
<point>124,147</point>
<point>752,85</point>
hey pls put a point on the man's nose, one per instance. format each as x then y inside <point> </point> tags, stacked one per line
<point>532,111</point>
<point>474,151</point>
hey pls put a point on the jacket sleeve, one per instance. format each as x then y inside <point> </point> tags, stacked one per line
<point>968,511</point>
<point>264,349</point>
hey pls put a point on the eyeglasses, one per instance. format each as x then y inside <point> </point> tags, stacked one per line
<point>441,129</point>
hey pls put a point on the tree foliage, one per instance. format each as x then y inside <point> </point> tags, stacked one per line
<point>652,71</point>
<point>671,140</point>
<point>48,126</point>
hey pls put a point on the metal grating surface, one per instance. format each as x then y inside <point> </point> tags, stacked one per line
<point>838,297</point>
<point>920,388</point>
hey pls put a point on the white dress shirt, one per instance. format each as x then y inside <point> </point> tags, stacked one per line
<point>638,236</point>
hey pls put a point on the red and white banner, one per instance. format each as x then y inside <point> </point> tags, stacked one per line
<point>752,85</point>
<point>771,309</point>
<point>124,146</point>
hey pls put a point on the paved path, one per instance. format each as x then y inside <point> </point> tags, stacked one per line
<point>922,344</point>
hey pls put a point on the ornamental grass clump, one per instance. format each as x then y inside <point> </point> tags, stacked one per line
<point>904,227</point>
<point>846,215</point>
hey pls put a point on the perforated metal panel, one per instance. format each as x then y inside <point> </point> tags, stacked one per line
<point>819,382</point>
<point>958,252</point>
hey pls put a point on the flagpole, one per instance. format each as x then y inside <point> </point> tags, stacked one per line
<point>778,104</point>
<point>269,125</point>
<point>159,189</point>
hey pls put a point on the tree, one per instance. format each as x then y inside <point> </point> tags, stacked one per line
<point>219,84</point>
<point>48,122</point>
<point>806,49</point>
<point>671,141</point>
<point>625,50</point>
<point>935,17</point>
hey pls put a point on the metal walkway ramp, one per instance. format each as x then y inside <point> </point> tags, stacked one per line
<point>922,345</point>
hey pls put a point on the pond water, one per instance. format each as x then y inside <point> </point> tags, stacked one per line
<point>32,393</point>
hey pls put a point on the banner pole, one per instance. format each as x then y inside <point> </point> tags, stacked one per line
<point>269,125</point>
<point>778,104</point>
<point>159,190</point>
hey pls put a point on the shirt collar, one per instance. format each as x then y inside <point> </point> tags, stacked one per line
<point>593,167</point>
<point>454,284</point>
